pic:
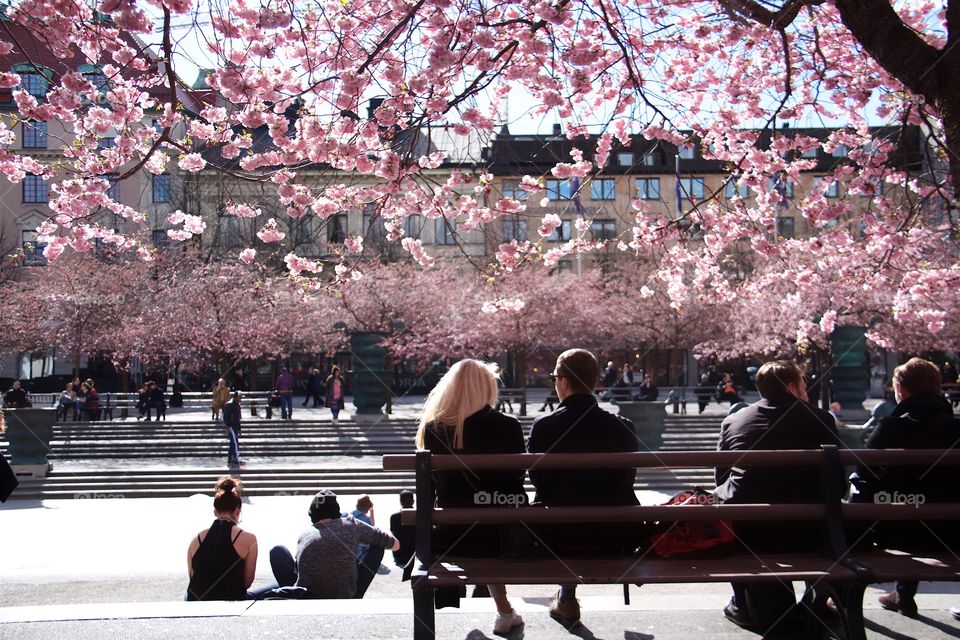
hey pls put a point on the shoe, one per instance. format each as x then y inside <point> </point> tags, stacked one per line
<point>566,612</point>
<point>506,621</point>
<point>955,612</point>
<point>739,617</point>
<point>892,602</point>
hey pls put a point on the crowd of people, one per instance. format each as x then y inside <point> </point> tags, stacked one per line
<point>459,418</point>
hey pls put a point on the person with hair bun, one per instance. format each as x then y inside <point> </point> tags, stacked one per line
<point>222,559</point>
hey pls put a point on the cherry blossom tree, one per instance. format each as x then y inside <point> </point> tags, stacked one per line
<point>715,74</point>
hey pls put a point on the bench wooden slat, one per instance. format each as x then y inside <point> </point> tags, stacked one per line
<point>888,564</point>
<point>629,570</point>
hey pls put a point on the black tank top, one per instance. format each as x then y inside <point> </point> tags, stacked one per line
<point>217,568</point>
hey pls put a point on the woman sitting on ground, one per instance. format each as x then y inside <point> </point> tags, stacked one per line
<point>222,559</point>
<point>459,418</point>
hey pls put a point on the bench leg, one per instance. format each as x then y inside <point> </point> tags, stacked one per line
<point>851,609</point>
<point>423,614</point>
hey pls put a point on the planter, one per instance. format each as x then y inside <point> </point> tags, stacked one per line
<point>29,432</point>
<point>648,422</point>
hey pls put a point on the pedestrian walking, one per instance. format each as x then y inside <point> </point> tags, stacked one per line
<point>231,420</point>
<point>221,395</point>
<point>335,393</point>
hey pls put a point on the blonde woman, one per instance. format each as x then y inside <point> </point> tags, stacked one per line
<point>221,396</point>
<point>459,418</point>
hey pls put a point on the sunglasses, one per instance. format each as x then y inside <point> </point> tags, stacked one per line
<point>553,376</point>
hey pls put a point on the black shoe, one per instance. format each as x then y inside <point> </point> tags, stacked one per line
<point>891,601</point>
<point>739,617</point>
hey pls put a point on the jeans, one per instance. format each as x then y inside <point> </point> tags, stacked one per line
<point>285,568</point>
<point>286,406</point>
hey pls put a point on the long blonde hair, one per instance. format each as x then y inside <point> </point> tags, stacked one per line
<point>469,385</point>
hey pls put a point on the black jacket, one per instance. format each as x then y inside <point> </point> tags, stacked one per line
<point>780,423</point>
<point>579,425</point>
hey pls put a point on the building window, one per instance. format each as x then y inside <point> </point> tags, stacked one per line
<point>785,227</point>
<point>625,159</point>
<point>511,189</point>
<point>563,266</point>
<point>35,135</point>
<point>653,158</point>
<point>731,190</point>
<point>648,188</point>
<point>33,80</point>
<point>514,229</point>
<point>687,151</point>
<point>781,186</point>
<point>34,188</point>
<point>160,238</point>
<point>96,78</point>
<point>106,143</point>
<point>840,151</point>
<point>373,229</point>
<point>444,231</point>
<point>161,188</point>
<point>873,188</point>
<point>561,233</point>
<point>228,232</point>
<point>832,187</point>
<point>413,226</point>
<point>603,189</point>
<point>691,188</point>
<point>603,229</point>
<point>32,250</point>
<point>559,189</point>
<point>337,227</point>
<point>810,153</point>
<point>113,191</point>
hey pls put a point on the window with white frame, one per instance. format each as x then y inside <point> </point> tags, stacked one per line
<point>648,188</point>
<point>732,190</point>
<point>34,134</point>
<point>603,229</point>
<point>603,189</point>
<point>561,233</point>
<point>161,188</point>
<point>444,231</point>
<point>34,80</point>
<point>691,188</point>
<point>559,189</point>
<point>34,189</point>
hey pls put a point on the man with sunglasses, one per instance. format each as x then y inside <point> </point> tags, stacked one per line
<point>579,425</point>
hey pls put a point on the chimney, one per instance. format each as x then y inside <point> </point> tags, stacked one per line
<point>557,130</point>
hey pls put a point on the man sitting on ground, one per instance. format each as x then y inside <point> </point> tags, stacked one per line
<point>326,565</point>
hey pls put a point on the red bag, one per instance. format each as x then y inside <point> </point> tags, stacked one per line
<point>685,537</point>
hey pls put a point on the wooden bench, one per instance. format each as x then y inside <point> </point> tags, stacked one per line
<point>837,572</point>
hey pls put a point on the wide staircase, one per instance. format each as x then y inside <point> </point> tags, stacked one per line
<point>174,459</point>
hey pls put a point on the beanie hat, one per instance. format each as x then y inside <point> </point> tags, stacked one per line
<point>324,505</point>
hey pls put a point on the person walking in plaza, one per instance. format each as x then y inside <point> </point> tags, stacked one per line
<point>221,395</point>
<point>703,392</point>
<point>579,425</point>
<point>782,419</point>
<point>459,418</point>
<point>922,419</point>
<point>231,421</point>
<point>316,388</point>
<point>222,559</point>
<point>285,384</point>
<point>326,564</point>
<point>311,379</point>
<point>334,398</point>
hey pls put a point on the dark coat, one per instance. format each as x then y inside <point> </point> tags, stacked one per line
<point>579,425</point>
<point>918,422</point>
<point>486,431</point>
<point>343,392</point>
<point>231,416</point>
<point>777,424</point>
